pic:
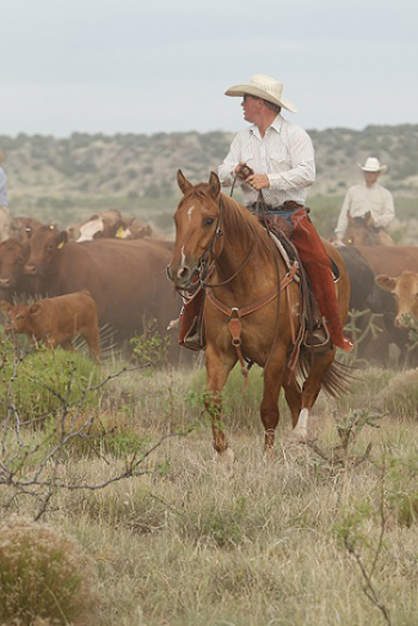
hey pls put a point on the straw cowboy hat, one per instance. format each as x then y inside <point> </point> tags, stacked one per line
<point>265,87</point>
<point>372,165</point>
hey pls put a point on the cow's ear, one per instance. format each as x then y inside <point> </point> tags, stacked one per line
<point>215,185</point>
<point>6,306</point>
<point>35,308</point>
<point>62,239</point>
<point>183,183</point>
<point>386,282</point>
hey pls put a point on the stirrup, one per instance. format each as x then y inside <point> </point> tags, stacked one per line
<point>194,339</point>
<point>318,338</point>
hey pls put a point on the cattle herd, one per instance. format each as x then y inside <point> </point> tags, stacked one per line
<point>115,266</point>
<point>121,265</point>
<point>381,285</point>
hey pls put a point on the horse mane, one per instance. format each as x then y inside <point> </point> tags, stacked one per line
<point>237,221</point>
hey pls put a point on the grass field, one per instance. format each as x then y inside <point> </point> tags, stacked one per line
<point>323,533</point>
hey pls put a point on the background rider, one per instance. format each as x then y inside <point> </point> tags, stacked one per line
<point>368,197</point>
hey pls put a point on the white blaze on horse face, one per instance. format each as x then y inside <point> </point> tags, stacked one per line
<point>190,211</point>
<point>182,262</point>
<point>89,229</point>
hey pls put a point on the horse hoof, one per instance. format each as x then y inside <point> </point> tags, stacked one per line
<point>226,457</point>
<point>299,435</point>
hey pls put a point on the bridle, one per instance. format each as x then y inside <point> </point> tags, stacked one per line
<point>206,263</point>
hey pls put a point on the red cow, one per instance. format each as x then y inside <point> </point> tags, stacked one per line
<point>13,281</point>
<point>57,321</point>
<point>126,279</point>
<point>405,288</point>
<point>392,261</point>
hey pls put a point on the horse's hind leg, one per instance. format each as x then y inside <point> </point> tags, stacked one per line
<point>218,368</point>
<point>293,395</point>
<point>311,389</point>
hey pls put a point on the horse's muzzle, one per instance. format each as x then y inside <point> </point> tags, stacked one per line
<point>181,275</point>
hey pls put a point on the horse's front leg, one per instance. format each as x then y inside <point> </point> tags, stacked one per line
<point>273,380</point>
<point>218,367</point>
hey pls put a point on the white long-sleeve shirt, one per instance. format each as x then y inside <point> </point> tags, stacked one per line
<point>360,199</point>
<point>3,188</point>
<point>285,154</point>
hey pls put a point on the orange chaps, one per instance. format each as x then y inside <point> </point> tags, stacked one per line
<point>318,266</point>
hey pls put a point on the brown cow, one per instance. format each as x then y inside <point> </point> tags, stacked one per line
<point>405,289</point>
<point>391,261</point>
<point>127,279</point>
<point>22,228</point>
<point>13,281</point>
<point>57,321</point>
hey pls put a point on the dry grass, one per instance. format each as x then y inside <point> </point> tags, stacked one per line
<point>258,544</point>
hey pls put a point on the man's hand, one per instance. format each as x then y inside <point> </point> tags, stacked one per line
<point>258,181</point>
<point>243,171</point>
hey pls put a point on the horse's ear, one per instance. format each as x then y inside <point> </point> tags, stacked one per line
<point>183,183</point>
<point>215,184</point>
<point>386,282</point>
<point>350,218</point>
<point>368,218</point>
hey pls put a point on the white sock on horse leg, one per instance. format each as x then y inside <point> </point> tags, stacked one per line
<point>301,428</point>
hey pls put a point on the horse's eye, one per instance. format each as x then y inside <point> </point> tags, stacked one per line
<point>208,221</point>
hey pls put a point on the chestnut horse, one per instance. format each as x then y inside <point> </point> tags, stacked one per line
<point>223,244</point>
<point>360,232</point>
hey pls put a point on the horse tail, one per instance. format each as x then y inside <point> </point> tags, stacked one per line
<point>336,381</point>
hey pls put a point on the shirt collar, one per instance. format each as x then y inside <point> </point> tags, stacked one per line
<point>276,124</point>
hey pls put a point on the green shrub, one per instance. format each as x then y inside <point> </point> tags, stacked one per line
<point>43,381</point>
<point>44,575</point>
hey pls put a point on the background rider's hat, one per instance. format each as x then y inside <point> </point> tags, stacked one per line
<point>372,165</point>
<point>265,87</point>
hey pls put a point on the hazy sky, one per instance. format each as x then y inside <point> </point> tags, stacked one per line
<point>146,66</point>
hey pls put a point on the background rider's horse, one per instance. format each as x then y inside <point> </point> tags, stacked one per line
<point>362,232</point>
<point>246,315</point>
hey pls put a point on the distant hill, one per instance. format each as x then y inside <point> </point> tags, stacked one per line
<point>64,179</point>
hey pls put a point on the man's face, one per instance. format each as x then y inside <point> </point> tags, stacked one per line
<point>252,107</point>
<point>371,177</point>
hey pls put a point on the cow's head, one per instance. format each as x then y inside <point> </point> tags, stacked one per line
<point>13,256</point>
<point>405,290</point>
<point>46,244</point>
<point>19,316</point>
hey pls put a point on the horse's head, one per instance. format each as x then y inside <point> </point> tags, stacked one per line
<point>359,231</point>
<point>197,221</point>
